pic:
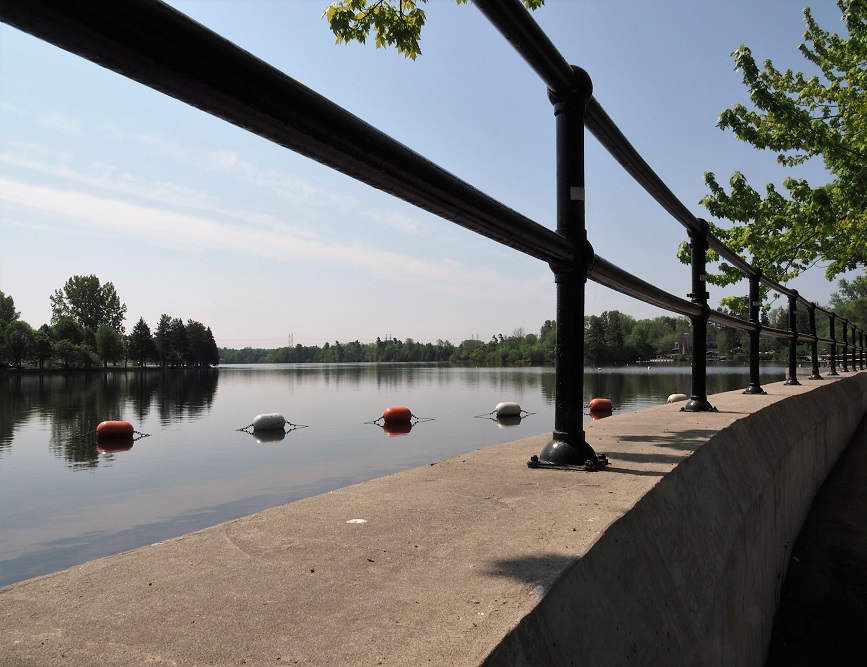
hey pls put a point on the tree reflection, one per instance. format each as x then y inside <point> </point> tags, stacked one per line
<point>72,404</point>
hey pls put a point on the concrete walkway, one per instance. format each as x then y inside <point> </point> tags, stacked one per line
<point>436,565</point>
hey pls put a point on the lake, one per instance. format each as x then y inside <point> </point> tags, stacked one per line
<point>67,499</point>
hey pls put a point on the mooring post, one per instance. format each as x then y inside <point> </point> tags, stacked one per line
<point>814,344</point>
<point>793,340</point>
<point>755,386</point>
<point>845,338</point>
<point>832,318</point>
<point>698,259</point>
<point>568,445</point>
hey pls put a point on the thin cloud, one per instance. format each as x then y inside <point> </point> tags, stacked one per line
<point>199,233</point>
<point>60,123</point>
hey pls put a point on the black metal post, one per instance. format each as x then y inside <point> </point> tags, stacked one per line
<point>832,318</point>
<point>845,346</point>
<point>793,340</point>
<point>698,258</point>
<point>814,344</point>
<point>568,445</point>
<point>862,349</point>
<point>755,386</point>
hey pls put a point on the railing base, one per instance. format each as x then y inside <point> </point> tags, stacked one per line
<point>755,389</point>
<point>696,404</point>
<point>561,453</point>
<point>792,382</point>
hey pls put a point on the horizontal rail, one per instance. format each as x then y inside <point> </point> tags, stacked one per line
<point>156,45</point>
<point>610,275</point>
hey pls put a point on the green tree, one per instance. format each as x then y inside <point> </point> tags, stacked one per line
<point>141,344</point>
<point>163,339</point>
<point>18,342</point>
<point>89,303</point>
<point>203,348</point>
<point>181,354</point>
<point>66,328</point>
<point>43,347</point>
<point>395,23</point>
<point>109,344</point>
<point>7,309</point>
<point>801,117</point>
<point>850,302</point>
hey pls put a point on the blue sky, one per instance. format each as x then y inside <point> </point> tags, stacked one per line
<point>190,216</point>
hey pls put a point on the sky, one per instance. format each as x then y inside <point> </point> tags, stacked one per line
<point>190,216</point>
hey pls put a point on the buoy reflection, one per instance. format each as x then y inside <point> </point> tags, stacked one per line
<point>269,436</point>
<point>508,421</point>
<point>113,445</point>
<point>396,429</point>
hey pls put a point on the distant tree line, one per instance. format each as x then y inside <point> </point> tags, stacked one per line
<point>390,350</point>
<point>86,331</point>
<point>609,338</point>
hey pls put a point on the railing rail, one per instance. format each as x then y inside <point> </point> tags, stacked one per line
<point>154,44</point>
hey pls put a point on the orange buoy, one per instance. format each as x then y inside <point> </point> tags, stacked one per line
<point>601,405</point>
<point>397,415</point>
<point>596,415</point>
<point>115,429</point>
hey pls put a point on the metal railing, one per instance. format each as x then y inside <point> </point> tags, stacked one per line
<point>154,44</point>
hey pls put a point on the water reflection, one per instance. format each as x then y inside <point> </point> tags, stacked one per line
<point>72,404</point>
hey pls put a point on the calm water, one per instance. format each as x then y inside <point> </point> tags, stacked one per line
<point>65,500</point>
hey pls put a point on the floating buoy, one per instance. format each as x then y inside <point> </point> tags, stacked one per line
<point>397,415</point>
<point>507,409</point>
<point>270,421</point>
<point>114,429</point>
<point>596,415</point>
<point>601,405</point>
<point>675,398</point>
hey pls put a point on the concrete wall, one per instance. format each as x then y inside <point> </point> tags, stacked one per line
<point>692,574</point>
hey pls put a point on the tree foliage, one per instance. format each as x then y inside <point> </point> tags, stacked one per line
<point>89,303</point>
<point>395,23</point>
<point>70,342</point>
<point>7,309</point>
<point>801,117</point>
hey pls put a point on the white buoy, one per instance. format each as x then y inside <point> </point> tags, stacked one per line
<point>676,398</point>
<point>270,421</point>
<point>507,409</point>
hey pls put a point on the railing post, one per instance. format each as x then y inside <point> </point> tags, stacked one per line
<point>755,386</point>
<point>814,344</point>
<point>568,445</point>
<point>832,319</point>
<point>793,340</point>
<point>845,346</point>
<point>862,349</point>
<point>698,259</point>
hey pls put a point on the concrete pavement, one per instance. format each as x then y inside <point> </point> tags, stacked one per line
<point>454,563</point>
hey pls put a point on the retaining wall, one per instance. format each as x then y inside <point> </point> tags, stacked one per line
<point>692,574</point>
